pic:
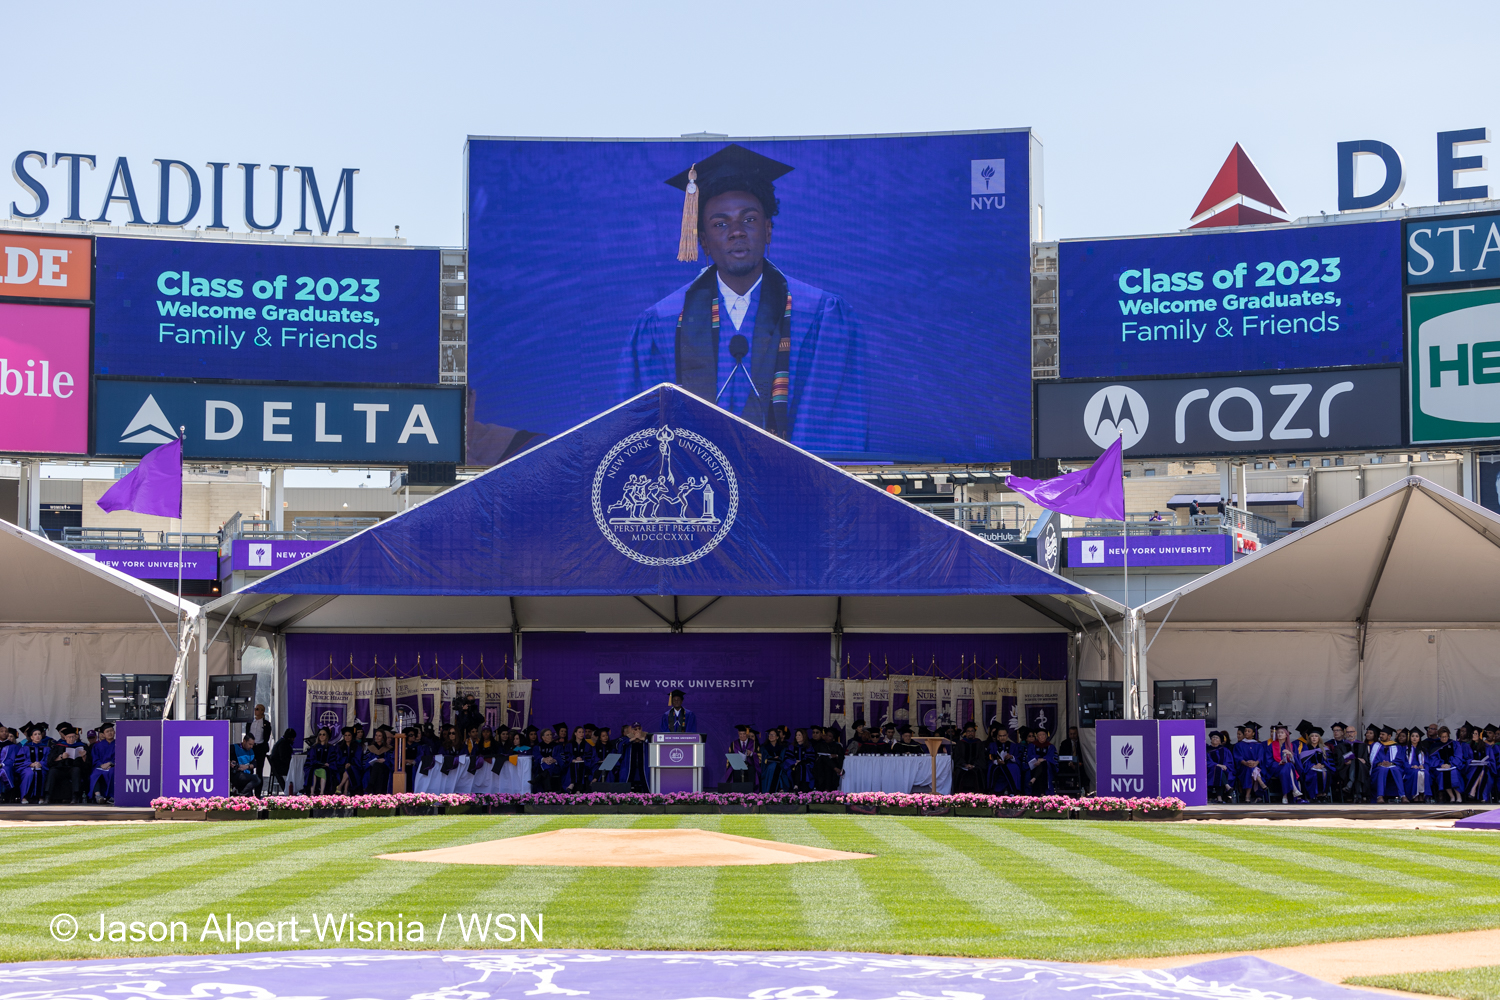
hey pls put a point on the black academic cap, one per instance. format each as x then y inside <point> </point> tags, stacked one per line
<point>65,729</point>
<point>1387,731</point>
<point>742,725</point>
<point>1341,725</point>
<point>1305,727</point>
<point>677,693</point>
<point>733,168</point>
<point>1468,725</point>
<point>1250,725</point>
<point>1315,729</point>
<point>903,729</point>
<point>106,724</point>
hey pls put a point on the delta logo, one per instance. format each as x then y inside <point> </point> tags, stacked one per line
<point>1238,196</point>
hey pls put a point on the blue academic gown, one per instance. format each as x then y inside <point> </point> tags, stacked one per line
<point>1446,771</point>
<point>350,758</point>
<point>828,409</point>
<point>33,781</point>
<point>799,761</point>
<point>1220,768</point>
<point>555,751</point>
<point>102,781</point>
<point>773,772</point>
<point>1387,771</point>
<point>320,755</point>
<point>367,771</point>
<point>677,720</point>
<point>1250,758</point>
<point>1043,777</point>
<point>581,760</point>
<point>1479,775</point>
<point>1314,769</point>
<point>1005,775</point>
<point>8,776</point>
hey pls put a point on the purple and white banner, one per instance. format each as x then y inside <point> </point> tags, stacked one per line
<point>249,554</point>
<point>156,564</point>
<point>137,762</point>
<point>1159,550</point>
<point>349,973</point>
<point>1147,757</point>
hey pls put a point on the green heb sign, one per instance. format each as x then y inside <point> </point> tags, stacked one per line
<point>1455,365</point>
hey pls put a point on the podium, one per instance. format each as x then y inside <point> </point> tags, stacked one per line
<point>1150,757</point>
<point>676,762</point>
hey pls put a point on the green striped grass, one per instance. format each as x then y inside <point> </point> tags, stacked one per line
<point>1076,890</point>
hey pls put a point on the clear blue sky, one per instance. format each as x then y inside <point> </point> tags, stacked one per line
<point>1137,104</point>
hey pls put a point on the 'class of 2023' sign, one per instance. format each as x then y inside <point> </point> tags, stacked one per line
<point>185,309</point>
<point>1293,297</point>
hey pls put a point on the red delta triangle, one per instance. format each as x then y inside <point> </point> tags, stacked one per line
<point>1237,178</point>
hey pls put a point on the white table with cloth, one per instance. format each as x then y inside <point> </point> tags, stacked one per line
<point>895,773</point>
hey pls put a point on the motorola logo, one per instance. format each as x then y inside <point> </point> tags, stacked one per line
<point>1116,411</point>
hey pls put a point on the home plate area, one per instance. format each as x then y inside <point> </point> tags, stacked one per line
<point>374,975</point>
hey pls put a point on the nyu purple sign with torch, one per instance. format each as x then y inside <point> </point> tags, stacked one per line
<point>1149,758</point>
<point>195,759</point>
<point>137,762</point>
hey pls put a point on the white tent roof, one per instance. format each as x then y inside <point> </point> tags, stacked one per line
<point>44,584</point>
<point>1411,553</point>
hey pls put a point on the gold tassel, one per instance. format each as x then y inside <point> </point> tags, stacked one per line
<point>687,245</point>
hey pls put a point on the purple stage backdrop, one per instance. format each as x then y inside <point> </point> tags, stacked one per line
<point>1041,656</point>
<point>336,656</point>
<point>760,678</point>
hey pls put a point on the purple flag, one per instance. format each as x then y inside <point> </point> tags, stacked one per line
<point>155,487</point>
<point>1098,491</point>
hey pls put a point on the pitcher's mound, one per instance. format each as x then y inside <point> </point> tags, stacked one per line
<point>627,849</point>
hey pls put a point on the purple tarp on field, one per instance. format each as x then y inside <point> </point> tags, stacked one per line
<point>1483,821</point>
<point>624,975</point>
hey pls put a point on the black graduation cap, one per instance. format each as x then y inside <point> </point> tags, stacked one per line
<point>65,729</point>
<point>1315,729</point>
<point>742,725</point>
<point>1387,731</point>
<point>1341,725</point>
<point>733,168</point>
<point>1250,725</point>
<point>1468,725</point>
<point>904,729</point>
<point>1306,727</point>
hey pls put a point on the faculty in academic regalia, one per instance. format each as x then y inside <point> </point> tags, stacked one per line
<point>744,743</point>
<point>67,765</point>
<point>1479,777</point>
<point>1220,768</point>
<point>828,763</point>
<point>1039,765</point>
<point>1250,757</point>
<point>970,761</point>
<point>349,764</point>
<point>379,764</point>
<point>782,354</point>
<point>102,756</point>
<point>1387,773</point>
<point>318,768</point>
<point>581,761</point>
<point>1314,764</point>
<point>1005,766</point>
<point>1445,767</point>
<point>799,759</point>
<point>547,765</point>
<point>774,776</point>
<point>32,759</point>
<point>8,776</point>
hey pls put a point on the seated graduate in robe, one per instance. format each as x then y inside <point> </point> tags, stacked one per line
<point>319,768</point>
<point>1039,765</point>
<point>102,756</point>
<point>970,761</point>
<point>1250,757</point>
<point>547,764</point>
<point>1281,768</point>
<point>348,764</point>
<point>799,760</point>
<point>1004,776</point>
<point>8,776</point>
<point>744,743</point>
<point>67,766</point>
<point>767,347</point>
<point>484,758</point>
<point>828,760</point>
<point>1387,768</point>
<point>1220,767</point>
<point>1445,767</point>
<point>379,764</point>
<point>1479,776</point>
<point>32,760</point>
<point>1314,765</point>
<point>581,759</point>
<point>1409,751</point>
<point>773,772</point>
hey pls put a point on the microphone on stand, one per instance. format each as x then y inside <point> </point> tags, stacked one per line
<point>738,348</point>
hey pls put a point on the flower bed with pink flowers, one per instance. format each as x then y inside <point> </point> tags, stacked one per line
<point>899,803</point>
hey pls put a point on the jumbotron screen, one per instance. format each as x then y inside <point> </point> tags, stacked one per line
<point>865,298</point>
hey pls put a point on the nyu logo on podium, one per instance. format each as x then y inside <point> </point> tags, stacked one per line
<point>1151,757</point>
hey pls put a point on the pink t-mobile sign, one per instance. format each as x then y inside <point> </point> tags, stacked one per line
<point>44,365</point>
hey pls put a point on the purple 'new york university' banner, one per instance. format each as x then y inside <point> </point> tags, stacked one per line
<point>762,679</point>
